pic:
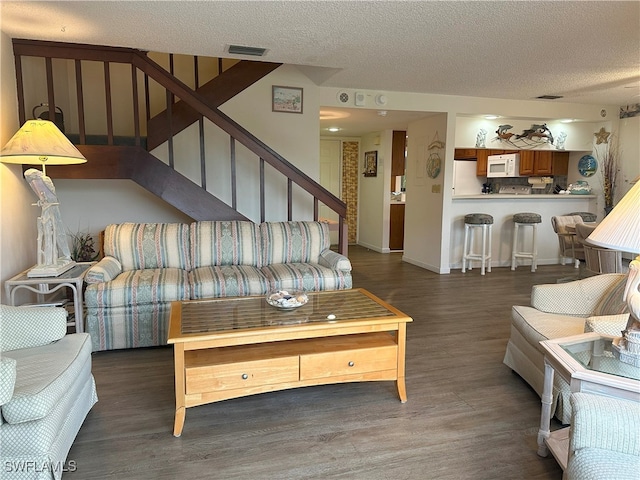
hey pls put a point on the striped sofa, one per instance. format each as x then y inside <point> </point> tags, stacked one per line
<point>149,265</point>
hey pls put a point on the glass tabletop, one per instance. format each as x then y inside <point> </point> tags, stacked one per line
<point>597,355</point>
<point>202,316</point>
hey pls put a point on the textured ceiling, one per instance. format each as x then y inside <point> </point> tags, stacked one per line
<point>588,52</point>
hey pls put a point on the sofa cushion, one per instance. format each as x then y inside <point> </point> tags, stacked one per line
<point>128,326</point>
<point>306,276</point>
<point>7,379</point>
<point>138,287</point>
<point>46,325</point>
<point>227,281</point>
<point>225,243</point>
<point>104,271</point>
<point>608,324</point>
<point>611,302</point>
<point>44,374</point>
<point>536,326</point>
<point>293,242</point>
<point>598,464</point>
<point>139,246</point>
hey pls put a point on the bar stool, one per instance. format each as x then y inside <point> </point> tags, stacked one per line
<point>472,222</point>
<point>525,220</point>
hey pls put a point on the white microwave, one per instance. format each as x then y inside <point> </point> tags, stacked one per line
<point>506,165</point>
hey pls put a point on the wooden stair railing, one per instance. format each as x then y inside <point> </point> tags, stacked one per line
<point>187,97</point>
<point>216,91</point>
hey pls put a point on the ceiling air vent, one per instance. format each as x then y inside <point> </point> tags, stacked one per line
<point>550,97</point>
<point>244,50</point>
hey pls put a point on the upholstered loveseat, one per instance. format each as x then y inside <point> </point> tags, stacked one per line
<point>149,265</point>
<point>593,304</point>
<point>46,391</point>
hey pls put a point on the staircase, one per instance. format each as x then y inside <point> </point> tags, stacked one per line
<point>128,156</point>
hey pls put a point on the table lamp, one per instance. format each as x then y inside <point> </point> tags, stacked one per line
<point>620,230</point>
<point>40,142</point>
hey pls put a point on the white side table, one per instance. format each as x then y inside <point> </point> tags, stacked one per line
<point>587,364</point>
<point>44,286</point>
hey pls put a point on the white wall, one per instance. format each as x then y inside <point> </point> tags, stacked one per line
<point>374,193</point>
<point>18,231</point>
<point>629,129</point>
<point>423,219</point>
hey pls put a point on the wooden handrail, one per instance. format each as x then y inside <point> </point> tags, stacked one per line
<point>139,60</point>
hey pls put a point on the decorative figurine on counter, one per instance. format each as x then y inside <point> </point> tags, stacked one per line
<point>481,138</point>
<point>560,141</point>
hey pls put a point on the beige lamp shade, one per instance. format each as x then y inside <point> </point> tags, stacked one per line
<point>40,142</point>
<point>620,229</point>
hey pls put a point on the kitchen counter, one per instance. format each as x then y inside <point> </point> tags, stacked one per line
<point>502,207</point>
<point>510,196</point>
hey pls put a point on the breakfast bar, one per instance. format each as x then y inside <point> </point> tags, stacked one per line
<point>502,207</point>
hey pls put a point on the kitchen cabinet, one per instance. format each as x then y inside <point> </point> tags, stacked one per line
<point>464,153</point>
<point>398,145</point>
<point>560,164</point>
<point>527,161</point>
<point>543,162</point>
<point>396,226</point>
<point>482,154</point>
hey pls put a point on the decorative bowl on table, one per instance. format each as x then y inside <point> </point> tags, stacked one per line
<point>287,299</point>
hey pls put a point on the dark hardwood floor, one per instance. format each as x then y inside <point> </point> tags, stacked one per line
<point>467,415</point>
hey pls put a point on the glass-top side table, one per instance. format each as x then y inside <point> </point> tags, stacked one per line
<point>45,286</point>
<point>586,362</point>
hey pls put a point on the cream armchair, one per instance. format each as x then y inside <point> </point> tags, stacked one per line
<point>605,438</point>
<point>46,391</point>
<point>593,304</point>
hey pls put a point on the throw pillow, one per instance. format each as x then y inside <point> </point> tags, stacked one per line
<point>611,303</point>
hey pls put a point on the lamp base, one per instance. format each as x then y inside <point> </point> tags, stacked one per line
<point>53,270</point>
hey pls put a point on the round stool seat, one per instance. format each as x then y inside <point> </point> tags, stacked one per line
<point>478,219</point>
<point>527,217</point>
<point>587,217</point>
<point>522,220</point>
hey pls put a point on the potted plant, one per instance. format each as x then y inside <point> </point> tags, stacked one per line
<point>609,159</point>
<point>83,247</point>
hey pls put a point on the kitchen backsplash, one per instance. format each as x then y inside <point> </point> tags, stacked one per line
<point>496,183</point>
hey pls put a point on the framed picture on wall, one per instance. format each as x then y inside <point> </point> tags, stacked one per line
<point>371,164</point>
<point>286,99</point>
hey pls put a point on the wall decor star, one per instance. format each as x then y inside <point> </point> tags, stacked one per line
<point>602,136</point>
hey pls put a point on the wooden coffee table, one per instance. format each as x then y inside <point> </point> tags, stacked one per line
<point>233,347</point>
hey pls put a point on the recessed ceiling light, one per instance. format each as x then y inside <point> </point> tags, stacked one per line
<point>333,129</point>
<point>491,117</point>
<point>382,113</point>
<point>566,120</point>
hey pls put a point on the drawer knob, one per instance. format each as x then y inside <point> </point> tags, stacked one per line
<point>351,364</point>
<point>245,376</point>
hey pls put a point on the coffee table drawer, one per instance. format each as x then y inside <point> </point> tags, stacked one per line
<point>241,374</point>
<point>349,362</point>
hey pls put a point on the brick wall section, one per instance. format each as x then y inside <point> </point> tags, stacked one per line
<point>350,159</point>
